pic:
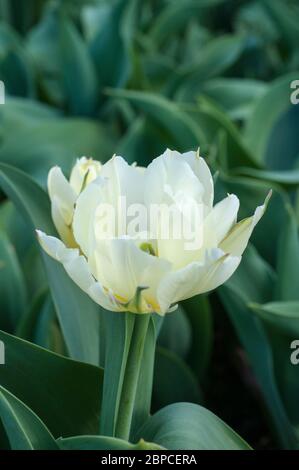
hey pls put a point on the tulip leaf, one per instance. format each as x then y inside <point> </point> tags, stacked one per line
<point>286,20</point>
<point>281,320</point>
<point>199,313</point>
<point>142,405</point>
<point>39,324</point>
<point>252,193</point>
<point>78,316</point>
<point>175,333</point>
<point>103,443</point>
<point>213,122</point>
<point>36,144</point>
<point>214,58</point>
<point>189,426</point>
<point>79,75</point>
<point>236,296</point>
<point>287,262</point>
<point>15,66</point>
<point>174,381</point>
<point>118,333</point>
<point>12,286</point>
<point>24,429</point>
<point>65,394</point>
<point>177,124</point>
<point>286,178</point>
<point>111,46</point>
<point>271,130</point>
<point>235,96</point>
<point>174,16</point>
<point>282,315</point>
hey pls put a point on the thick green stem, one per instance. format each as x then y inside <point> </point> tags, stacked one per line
<point>132,372</point>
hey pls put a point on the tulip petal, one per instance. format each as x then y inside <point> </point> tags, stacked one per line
<point>60,190</point>
<point>197,278</point>
<point>123,180</point>
<point>62,228</point>
<point>124,267</point>
<point>168,177</point>
<point>85,169</point>
<point>77,268</point>
<point>237,239</point>
<point>220,220</point>
<point>202,171</point>
<point>83,220</point>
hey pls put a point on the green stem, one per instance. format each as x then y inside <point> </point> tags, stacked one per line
<point>129,388</point>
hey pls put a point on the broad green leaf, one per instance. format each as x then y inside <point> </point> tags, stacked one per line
<point>199,313</point>
<point>143,140</point>
<point>174,381</point>
<point>79,316</point>
<point>282,315</point>
<point>175,122</point>
<point>235,96</point>
<point>271,130</point>
<point>19,112</point>
<point>236,295</point>
<point>37,146</point>
<point>103,443</point>
<point>42,43</point>
<point>174,17</point>
<point>22,14</point>
<point>12,286</point>
<point>142,405</point>
<point>118,333</point>
<point>24,428</point>
<point>281,320</point>
<point>65,394</point>
<point>15,66</point>
<point>286,19</point>
<point>217,56</point>
<point>212,120</point>
<point>288,260</point>
<point>175,333</point>
<point>111,47</point>
<point>183,426</point>
<point>78,72</point>
<point>286,178</point>
<point>252,193</point>
<point>265,277</point>
<point>39,324</point>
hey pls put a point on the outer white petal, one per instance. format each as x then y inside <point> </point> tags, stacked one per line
<point>123,180</point>
<point>169,176</point>
<point>64,230</point>
<point>220,220</point>
<point>237,239</point>
<point>83,220</point>
<point>124,267</point>
<point>196,278</point>
<point>84,169</point>
<point>202,171</point>
<point>77,268</point>
<point>60,190</point>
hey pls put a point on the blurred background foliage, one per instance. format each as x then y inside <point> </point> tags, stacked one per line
<point>132,77</point>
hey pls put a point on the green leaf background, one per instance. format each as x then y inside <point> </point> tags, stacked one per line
<point>133,77</point>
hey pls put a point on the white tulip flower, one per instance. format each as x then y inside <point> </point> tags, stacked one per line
<point>124,268</point>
